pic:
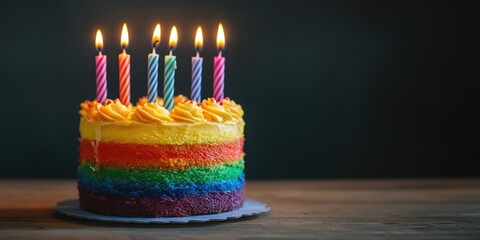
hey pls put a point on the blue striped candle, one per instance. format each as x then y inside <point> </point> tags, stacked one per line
<point>197,63</point>
<point>152,76</point>
<point>152,89</point>
<point>169,76</point>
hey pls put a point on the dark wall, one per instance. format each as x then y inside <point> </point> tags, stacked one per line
<point>330,88</point>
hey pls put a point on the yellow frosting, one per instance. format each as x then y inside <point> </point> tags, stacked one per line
<point>233,108</point>
<point>179,99</point>
<point>113,111</point>
<point>141,101</point>
<point>213,112</point>
<point>187,112</point>
<point>88,110</point>
<point>150,123</point>
<point>165,133</point>
<point>151,112</point>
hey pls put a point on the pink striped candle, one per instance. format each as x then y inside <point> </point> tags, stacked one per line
<point>101,70</point>
<point>124,68</point>
<point>219,67</point>
<point>218,76</point>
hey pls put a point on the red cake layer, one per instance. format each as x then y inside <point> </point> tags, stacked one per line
<point>175,157</point>
<point>193,204</point>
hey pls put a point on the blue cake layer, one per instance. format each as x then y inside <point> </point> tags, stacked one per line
<point>125,188</point>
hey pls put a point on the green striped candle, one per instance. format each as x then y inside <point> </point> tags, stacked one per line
<point>169,77</point>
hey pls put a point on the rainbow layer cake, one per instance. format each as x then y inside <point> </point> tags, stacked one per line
<point>146,161</point>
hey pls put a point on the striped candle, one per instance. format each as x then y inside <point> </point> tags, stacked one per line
<point>152,76</point>
<point>153,67</point>
<point>124,66</point>
<point>169,81</point>
<point>169,77</point>
<point>101,70</point>
<point>101,74</point>
<point>124,62</point>
<point>197,63</point>
<point>219,66</point>
<point>218,77</point>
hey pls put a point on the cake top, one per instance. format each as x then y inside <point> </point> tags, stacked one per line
<point>184,111</point>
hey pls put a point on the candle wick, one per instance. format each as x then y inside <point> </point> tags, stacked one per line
<point>124,51</point>
<point>220,52</point>
<point>153,50</point>
<point>155,44</point>
<point>171,51</point>
<point>198,52</point>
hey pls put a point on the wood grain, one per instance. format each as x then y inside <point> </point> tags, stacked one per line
<point>316,209</point>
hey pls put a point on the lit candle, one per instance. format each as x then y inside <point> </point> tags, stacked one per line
<point>219,66</point>
<point>101,70</point>
<point>124,68</point>
<point>153,67</point>
<point>170,66</point>
<point>197,63</point>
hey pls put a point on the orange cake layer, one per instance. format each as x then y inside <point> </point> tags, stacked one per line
<point>176,157</point>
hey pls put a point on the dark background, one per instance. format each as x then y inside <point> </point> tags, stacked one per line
<point>330,88</point>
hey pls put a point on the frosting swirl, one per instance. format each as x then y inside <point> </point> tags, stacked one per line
<point>179,99</point>
<point>88,110</point>
<point>188,112</point>
<point>151,112</point>
<point>144,99</point>
<point>184,111</point>
<point>233,108</point>
<point>214,112</point>
<point>113,111</point>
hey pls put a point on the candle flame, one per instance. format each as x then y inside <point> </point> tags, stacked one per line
<point>156,36</point>
<point>99,40</point>
<point>124,39</point>
<point>173,37</point>
<point>199,38</point>
<point>220,37</point>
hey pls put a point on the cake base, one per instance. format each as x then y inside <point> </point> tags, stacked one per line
<point>188,205</point>
<point>249,208</point>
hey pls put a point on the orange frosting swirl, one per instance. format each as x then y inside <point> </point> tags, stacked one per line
<point>89,110</point>
<point>144,99</point>
<point>151,112</point>
<point>214,112</point>
<point>113,111</point>
<point>233,108</point>
<point>188,112</point>
<point>185,111</point>
<point>179,99</point>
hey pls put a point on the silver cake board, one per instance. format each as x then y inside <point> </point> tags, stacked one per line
<point>249,208</point>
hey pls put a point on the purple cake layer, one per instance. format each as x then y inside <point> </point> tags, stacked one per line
<point>193,204</point>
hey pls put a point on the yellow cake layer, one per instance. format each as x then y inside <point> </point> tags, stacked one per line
<point>165,133</point>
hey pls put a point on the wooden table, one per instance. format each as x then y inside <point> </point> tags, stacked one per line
<point>361,209</point>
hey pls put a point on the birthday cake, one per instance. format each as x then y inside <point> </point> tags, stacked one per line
<point>146,161</point>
